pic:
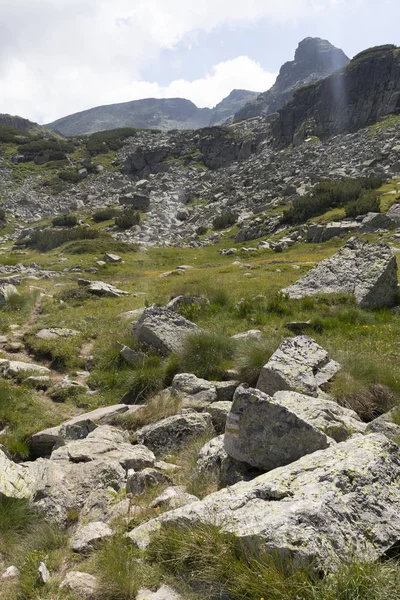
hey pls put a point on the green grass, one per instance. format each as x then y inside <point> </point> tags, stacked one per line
<point>24,412</point>
<point>212,564</point>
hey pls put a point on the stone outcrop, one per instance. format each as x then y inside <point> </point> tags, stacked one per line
<point>163,329</point>
<point>335,421</point>
<point>43,442</point>
<point>107,443</point>
<point>314,59</point>
<point>171,433</point>
<point>266,434</point>
<point>364,92</point>
<point>369,271</point>
<point>313,510</point>
<point>102,289</point>
<point>299,365</point>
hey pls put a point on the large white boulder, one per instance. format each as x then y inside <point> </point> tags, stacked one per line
<point>369,271</point>
<point>299,365</point>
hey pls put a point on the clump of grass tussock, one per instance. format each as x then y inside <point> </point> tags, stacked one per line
<point>369,401</point>
<point>214,564</point>
<point>366,384</point>
<point>22,413</point>
<point>198,483</point>
<point>207,354</point>
<point>122,571</point>
<point>159,407</point>
<point>252,355</point>
<point>61,352</point>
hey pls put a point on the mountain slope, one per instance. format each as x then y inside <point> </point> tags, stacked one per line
<point>314,59</point>
<point>364,92</point>
<point>164,114</point>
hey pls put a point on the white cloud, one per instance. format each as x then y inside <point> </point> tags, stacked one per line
<point>62,56</point>
<point>240,73</point>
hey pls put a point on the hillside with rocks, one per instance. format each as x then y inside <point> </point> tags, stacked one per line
<point>199,358</point>
<point>151,113</point>
<point>314,60</point>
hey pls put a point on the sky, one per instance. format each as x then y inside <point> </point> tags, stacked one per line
<point>58,57</point>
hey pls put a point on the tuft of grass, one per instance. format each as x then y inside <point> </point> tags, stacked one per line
<point>159,407</point>
<point>22,413</point>
<point>214,564</point>
<point>122,571</point>
<point>207,354</point>
<point>199,484</point>
<point>252,355</point>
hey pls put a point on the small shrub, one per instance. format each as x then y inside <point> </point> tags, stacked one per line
<point>103,141</point>
<point>127,219</point>
<point>105,214</point>
<point>326,195</point>
<point>367,202</point>
<point>145,381</point>
<point>65,221</point>
<point>45,240</point>
<point>201,230</point>
<point>70,176</point>
<point>224,221</point>
<point>207,354</point>
<point>77,295</point>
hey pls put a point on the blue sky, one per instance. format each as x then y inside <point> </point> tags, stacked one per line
<point>61,56</point>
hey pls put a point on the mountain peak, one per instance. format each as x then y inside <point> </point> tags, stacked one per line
<point>314,59</point>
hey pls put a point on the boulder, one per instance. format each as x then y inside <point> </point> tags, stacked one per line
<point>187,383</point>
<point>312,510</point>
<point>56,333</point>
<point>180,302</point>
<point>394,213</point>
<point>88,537</point>
<point>136,201</point>
<point>214,460</point>
<point>171,433</point>
<point>163,330</point>
<point>219,412</point>
<point>43,442</point>
<point>173,497</point>
<point>138,483</point>
<point>335,421</point>
<point>369,271</point>
<point>58,487</point>
<point>11,573</point>
<point>82,584</point>
<point>100,288</point>
<point>163,593</point>
<point>374,221</point>
<point>15,368</point>
<point>112,258</point>
<point>252,334</point>
<point>266,434</point>
<point>299,365</point>
<point>107,443</point>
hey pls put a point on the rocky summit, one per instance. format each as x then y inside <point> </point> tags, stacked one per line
<point>199,347</point>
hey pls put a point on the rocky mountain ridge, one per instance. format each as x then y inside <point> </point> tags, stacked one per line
<point>365,91</point>
<point>151,113</point>
<point>314,60</point>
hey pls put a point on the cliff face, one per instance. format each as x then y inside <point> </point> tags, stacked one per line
<point>314,59</point>
<point>364,92</point>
